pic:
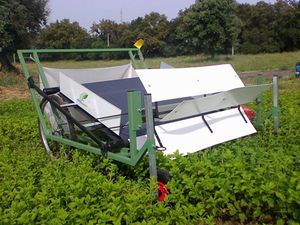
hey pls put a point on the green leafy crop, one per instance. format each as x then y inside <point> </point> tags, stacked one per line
<point>255,179</point>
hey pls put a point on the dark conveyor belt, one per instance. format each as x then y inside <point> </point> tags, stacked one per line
<point>115,92</point>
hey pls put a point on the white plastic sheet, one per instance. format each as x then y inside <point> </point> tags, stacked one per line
<point>89,75</point>
<point>222,100</point>
<point>170,83</point>
<point>187,135</point>
<point>191,135</point>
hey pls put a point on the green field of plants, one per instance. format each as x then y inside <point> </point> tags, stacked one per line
<point>252,180</point>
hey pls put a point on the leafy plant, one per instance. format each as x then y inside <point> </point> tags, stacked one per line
<point>255,179</point>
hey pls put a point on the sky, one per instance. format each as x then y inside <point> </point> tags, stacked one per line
<point>87,12</point>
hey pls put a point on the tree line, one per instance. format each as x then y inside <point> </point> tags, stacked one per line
<point>207,26</point>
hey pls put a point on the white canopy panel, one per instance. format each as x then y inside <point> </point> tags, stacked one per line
<point>89,75</point>
<point>222,100</point>
<point>170,83</point>
<point>107,97</point>
<point>192,135</point>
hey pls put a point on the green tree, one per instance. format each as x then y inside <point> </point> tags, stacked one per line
<point>287,24</point>
<point>258,32</point>
<point>19,21</point>
<point>209,26</point>
<point>175,44</point>
<point>110,33</point>
<point>154,29</point>
<point>63,34</point>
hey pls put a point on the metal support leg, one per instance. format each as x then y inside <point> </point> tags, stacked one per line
<point>206,123</point>
<point>275,104</point>
<point>239,108</point>
<point>150,135</point>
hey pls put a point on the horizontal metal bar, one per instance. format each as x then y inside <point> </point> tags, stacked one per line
<point>121,158</point>
<point>111,116</point>
<point>53,51</point>
<point>75,144</point>
<point>115,156</point>
<point>91,124</point>
<point>160,122</point>
<point>68,105</point>
<point>223,100</point>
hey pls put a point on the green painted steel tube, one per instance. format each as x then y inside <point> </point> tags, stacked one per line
<point>134,100</point>
<point>58,51</point>
<point>135,118</point>
<point>31,51</point>
<point>23,64</point>
<point>121,158</point>
<point>141,152</point>
<point>35,98</point>
<point>131,55</point>
<point>40,70</point>
<point>74,144</point>
<point>142,59</point>
<point>150,136</point>
<point>115,156</point>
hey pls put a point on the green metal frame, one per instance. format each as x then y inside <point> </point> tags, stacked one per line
<point>126,155</point>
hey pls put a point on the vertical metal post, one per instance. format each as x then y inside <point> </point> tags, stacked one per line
<point>275,104</point>
<point>150,135</point>
<point>135,119</point>
<point>259,104</point>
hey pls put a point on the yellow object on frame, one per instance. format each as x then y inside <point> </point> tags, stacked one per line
<point>139,43</point>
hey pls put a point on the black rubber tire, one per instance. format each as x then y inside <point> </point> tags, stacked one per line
<point>52,147</point>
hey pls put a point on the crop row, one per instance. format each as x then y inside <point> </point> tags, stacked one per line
<point>250,180</point>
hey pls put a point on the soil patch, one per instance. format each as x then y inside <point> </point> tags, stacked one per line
<point>10,93</point>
